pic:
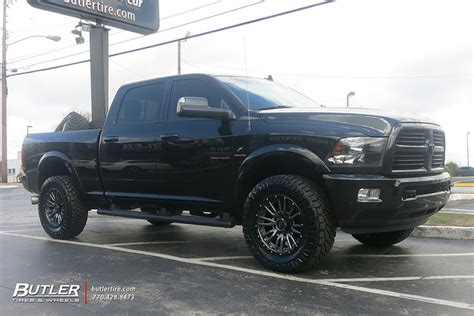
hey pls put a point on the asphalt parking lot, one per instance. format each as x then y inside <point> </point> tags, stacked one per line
<point>183,269</point>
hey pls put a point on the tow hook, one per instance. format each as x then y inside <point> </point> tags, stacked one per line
<point>34,199</point>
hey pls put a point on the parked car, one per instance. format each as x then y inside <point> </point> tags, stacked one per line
<point>225,151</point>
<point>465,171</point>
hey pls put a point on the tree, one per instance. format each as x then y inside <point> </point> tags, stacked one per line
<point>451,168</point>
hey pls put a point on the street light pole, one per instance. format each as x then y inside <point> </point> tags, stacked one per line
<point>50,37</point>
<point>350,94</point>
<point>4,163</point>
<point>4,176</point>
<point>467,141</point>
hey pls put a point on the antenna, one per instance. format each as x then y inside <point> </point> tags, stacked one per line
<point>249,127</point>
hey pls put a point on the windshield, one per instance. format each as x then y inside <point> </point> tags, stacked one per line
<point>264,94</point>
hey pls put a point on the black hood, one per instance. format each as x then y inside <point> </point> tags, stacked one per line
<point>377,121</point>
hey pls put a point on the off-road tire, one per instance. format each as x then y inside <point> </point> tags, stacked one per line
<point>383,239</point>
<point>319,225</point>
<point>74,209</point>
<point>73,122</point>
<point>96,125</point>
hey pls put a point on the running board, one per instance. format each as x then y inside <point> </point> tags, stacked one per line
<point>223,221</point>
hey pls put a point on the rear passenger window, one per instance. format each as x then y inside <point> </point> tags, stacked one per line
<point>142,104</point>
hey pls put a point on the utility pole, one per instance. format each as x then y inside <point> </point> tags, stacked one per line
<point>4,176</point>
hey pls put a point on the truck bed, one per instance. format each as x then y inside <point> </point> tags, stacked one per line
<point>79,148</point>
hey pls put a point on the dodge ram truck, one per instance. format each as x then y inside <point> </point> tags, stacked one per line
<point>225,151</point>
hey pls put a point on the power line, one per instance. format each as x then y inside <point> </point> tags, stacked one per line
<point>138,37</point>
<point>26,57</point>
<point>195,21</point>
<point>128,69</point>
<point>32,56</point>
<point>225,28</point>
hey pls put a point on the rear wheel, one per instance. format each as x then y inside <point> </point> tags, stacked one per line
<point>62,211</point>
<point>383,239</point>
<point>287,223</point>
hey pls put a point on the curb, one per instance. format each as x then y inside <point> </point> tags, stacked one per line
<point>447,232</point>
<point>461,196</point>
<point>9,185</point>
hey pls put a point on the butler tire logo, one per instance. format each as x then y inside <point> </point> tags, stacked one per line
<point>46,293</point>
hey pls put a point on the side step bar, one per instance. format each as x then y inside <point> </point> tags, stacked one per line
<point>224,221</point>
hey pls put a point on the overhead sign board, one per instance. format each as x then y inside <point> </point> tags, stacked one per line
<point>139,16</point>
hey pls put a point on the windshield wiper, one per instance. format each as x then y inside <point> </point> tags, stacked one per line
<point>275,107</point>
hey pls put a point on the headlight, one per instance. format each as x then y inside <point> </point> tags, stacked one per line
<point>358,151</point>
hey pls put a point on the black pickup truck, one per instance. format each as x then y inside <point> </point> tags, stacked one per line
<point>225,151</point>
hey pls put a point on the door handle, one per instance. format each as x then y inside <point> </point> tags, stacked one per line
<point>170,136</point>
<point>111,139</point>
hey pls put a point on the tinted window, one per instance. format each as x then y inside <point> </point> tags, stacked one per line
<point>142,104</point>
<point>192,88</point>
<point>262,94</point>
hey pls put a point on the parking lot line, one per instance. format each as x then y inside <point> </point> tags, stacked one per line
<point>17,225</point>
<point>223,258</point>
<point>21,230</point>
<point>462,254</point>
<point>332,283</point>
<point>151,243</point>
<point>405,296</point>
<point>392,279</point>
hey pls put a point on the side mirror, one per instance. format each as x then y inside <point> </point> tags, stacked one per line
<point>198,107</point>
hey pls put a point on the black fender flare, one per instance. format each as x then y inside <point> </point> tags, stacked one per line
<point>297,153</point>
<point>57,157</point>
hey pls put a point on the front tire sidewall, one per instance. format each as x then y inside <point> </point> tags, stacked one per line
<point>75,212</point>
<point>309,250</point>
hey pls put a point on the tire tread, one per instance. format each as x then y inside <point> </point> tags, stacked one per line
<point>323,221</point>
<point>76,212</point>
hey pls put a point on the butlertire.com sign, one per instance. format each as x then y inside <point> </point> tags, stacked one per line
<point>139,16</point>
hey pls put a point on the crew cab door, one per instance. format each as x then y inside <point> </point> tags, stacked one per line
<point>196,154</point>
<point>128,148</point>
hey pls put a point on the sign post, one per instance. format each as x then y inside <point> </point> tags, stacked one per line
<point>139,16</point>
<point>99,52</point>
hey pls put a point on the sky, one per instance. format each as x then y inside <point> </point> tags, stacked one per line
<point>413,56</point>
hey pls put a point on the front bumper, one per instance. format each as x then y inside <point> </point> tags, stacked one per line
<point>405,202</point>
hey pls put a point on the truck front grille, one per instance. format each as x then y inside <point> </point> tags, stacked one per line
<point>408,161</point>
<point>418,149</point>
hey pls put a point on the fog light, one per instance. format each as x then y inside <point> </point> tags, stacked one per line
<point>368,195</point>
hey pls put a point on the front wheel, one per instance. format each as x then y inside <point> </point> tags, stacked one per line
<point>383,239</point>
<point>62,211</point>
<point>287,223</point>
